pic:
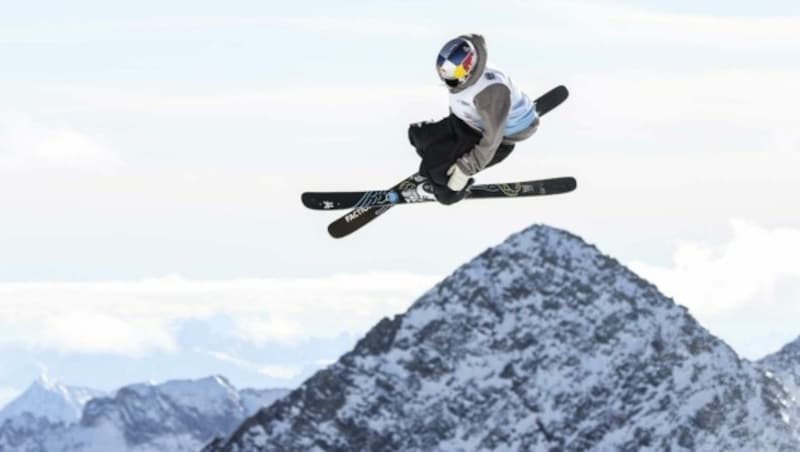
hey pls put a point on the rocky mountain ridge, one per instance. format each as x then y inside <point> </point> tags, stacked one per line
<point>785,365</point>
<point>541,343</point>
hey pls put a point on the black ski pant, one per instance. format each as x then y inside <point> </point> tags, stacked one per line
<point>440,144</point>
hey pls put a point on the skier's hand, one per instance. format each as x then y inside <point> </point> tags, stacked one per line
<point>458,180</point>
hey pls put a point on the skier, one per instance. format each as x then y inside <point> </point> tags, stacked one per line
<point>488,114</point>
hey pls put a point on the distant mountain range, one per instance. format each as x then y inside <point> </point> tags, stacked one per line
<point>177,415</point>
<point>50,400</point>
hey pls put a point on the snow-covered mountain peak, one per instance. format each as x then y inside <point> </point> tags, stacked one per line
<point>539,343</point>
<point>49,399</point>
<point>214,392</point>
<point>215,384</point>
<point>539,237</point>
<point>45,381</point>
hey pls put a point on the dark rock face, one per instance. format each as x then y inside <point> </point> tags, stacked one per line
<point>541,343</point>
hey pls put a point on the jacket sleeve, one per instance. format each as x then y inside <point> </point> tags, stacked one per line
<point>493,105</point>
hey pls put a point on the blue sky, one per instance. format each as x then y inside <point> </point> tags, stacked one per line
<point>152,156</point>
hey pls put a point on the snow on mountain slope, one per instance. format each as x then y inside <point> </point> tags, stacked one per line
<point>179,415</point>
<point>194,409</point>
<point>48,399</point>
<point>785,365</point>
<point>541,343</point>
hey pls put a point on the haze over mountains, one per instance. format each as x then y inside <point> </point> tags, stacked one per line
<point>179,415</point>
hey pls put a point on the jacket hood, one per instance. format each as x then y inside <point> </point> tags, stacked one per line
<point>479,44</point>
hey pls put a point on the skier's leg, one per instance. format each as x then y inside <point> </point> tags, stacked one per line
<point>440,144</point>
<point>424,134</point>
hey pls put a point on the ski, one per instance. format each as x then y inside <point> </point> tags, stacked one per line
<point>551,99</point>
<point>360,216</point>
<point>417,190</point>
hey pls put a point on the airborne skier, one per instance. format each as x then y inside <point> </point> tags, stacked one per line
<point>488,115</point>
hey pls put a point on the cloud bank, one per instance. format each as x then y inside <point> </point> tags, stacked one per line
<point>139,317</point>
<point>28,144</point>
<point>745,289</point>
<point>747,269</point>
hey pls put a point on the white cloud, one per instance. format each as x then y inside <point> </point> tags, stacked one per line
<point>746,290</point>
<point>276,371</point>
<point>571,21</point>
<point>26,144</point>
<point>133,318</point>
<point>742,98</point>
<point>705,31</point>
<point>345,103</point>
<point>80,31</point>
<point>745,271</point>
<point>564,21</point>
<point>356,25</point>
<point>574,21</point>
<point>7,394</point>
<point>76,330</point>
<point>603,103</point>
<point>333,139</point>
<point>261,328</point>
<point>324,362</point>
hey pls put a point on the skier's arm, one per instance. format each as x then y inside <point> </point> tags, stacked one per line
<point>493,105</point>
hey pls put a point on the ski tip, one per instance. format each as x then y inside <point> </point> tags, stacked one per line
<point>571,183</point>
<point>566,184</point>
<point>561,92</point>
<point>335,232</point>
<point>312,201</point>
<point>561,184</point>
<point>551,99</point>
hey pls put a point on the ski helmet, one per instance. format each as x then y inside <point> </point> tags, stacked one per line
<point>456,61</point>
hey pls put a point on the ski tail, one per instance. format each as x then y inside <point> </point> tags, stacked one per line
<point>551,99</point>
<point>541,187</point>
<point>343,199</point>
